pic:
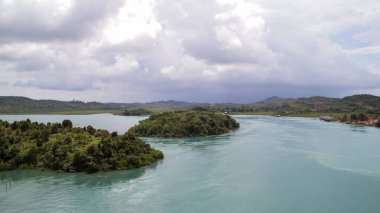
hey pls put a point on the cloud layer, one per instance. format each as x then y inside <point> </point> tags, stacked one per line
<point>209,51</point>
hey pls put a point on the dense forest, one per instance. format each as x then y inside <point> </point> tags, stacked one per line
<point>185,123</point>
<point>355,105</point>
<point>303,105</point>
<point>366,104</point>
<point>60,146</point>
<point>350,109</point>
<point>18,105</point>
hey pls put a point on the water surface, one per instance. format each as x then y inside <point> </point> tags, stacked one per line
<point>285,165</point>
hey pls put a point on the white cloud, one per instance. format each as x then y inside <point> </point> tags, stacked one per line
<point>133,19</point>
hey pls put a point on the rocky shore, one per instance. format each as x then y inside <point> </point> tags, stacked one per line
<point>368,122</point>
<point>327,118</point>
<point>375,122</point>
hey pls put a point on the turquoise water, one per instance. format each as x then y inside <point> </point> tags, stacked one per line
<point>285,165</point>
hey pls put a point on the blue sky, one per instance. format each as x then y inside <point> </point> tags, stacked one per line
<point>204,51</point>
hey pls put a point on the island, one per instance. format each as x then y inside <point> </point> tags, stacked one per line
<point>185,123</point>
<point>60,146</point>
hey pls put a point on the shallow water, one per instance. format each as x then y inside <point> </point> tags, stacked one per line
<point>268,165</point>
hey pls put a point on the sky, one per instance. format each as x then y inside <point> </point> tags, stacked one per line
<point>192,50</point>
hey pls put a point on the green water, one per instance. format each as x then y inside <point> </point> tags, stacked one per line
<point>268,165</point>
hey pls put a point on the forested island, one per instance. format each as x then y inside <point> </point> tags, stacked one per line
<point>60,146</point>
<point>185,123</point>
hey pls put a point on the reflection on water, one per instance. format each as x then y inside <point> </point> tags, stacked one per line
<point>356,128</point>
<point>102,179</point>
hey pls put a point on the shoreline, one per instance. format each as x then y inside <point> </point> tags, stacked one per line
<point>332,117</point>
<point>369,122</point>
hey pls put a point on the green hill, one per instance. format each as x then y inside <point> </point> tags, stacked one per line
<point>312,106</point>
<point>368,104</point>
<point>185,123</point>
<point>23,105</point>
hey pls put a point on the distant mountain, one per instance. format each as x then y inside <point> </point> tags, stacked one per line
<point>321,104</point>
<point>170,104</point>
<point>17,104</point>
<point>362,101</point>
<point>369,104</point>
<point>271,99</point>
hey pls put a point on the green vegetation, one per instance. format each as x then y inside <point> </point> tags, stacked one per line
<point>22,105</point>
<point>368,105</point>
<point>185,123</point>
<point>60,146</point>
<point>360,119</point>
<point>19,105</point>
<point>137,112</point>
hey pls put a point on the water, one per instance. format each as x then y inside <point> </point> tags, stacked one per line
<point>101,121</point>
<point>268,165</point>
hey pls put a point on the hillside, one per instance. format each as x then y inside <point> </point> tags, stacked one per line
<point>357,103</point>
<point>17,105</point>
<point>185,123</point>
<point>367,104</point>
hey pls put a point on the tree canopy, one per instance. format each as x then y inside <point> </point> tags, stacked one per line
<point>185,123</point>
<point>60,146</point>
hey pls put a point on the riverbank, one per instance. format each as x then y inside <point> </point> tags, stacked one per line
<point>326,116</point>
<point>301,115</point>
<point>368,122</point>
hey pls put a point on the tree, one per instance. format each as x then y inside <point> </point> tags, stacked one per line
<point>91,130</point>
<point>344,118</point>
<point>67,124</point>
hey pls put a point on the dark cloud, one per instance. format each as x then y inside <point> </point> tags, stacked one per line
<point>59,84</point>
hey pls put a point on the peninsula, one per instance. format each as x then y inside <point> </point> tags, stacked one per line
<point>60,146</point>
